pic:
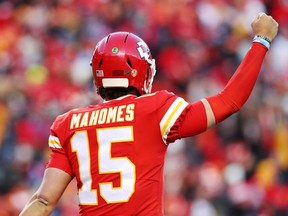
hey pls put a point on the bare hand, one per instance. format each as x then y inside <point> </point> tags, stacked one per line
<point>265,25</point>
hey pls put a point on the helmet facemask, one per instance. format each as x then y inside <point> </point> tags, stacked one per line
<point>150,77</point>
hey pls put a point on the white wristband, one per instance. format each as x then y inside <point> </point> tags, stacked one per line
<point>262,40</point>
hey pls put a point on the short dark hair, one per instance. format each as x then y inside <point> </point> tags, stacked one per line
<point>116,92</point>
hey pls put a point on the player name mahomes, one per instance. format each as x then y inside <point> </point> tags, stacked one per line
<point>123,113</point>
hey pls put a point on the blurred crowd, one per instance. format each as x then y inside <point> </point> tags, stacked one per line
<point>238,168</point>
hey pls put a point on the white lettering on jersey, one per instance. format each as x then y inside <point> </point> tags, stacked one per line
<point>103,116</point>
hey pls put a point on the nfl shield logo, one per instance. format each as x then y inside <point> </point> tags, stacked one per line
<point>99,73</point>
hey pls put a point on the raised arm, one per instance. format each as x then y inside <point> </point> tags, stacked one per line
<point>214,109</point>
<point>239,87</point>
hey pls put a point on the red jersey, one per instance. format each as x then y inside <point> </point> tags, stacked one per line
<point>116,151</point>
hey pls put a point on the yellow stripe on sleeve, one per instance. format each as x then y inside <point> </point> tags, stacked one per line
<point>54,142</point>
<point>171,116</point>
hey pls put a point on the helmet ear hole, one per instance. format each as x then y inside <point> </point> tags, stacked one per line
<point>100,63</point>
<point>129,62</point>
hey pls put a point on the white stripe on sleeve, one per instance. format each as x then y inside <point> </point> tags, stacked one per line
<point>54,142</point>
<point>171,116</point>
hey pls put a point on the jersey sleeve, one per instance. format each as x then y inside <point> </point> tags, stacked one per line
<point>192,121</point>
<point>172,115</point>
<point>179,118</point>
<point>58,157</point>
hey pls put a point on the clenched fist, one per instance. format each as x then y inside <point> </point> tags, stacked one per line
<point>265,25</point>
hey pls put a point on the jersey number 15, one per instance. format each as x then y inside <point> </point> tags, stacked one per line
<point>107,164</point>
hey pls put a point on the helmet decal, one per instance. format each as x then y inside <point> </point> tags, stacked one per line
<point>143,52</point>
<point>99,73</point>
<point>115,50</point>
<point>134,72</point>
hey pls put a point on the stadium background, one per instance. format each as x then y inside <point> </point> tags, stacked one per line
<point>239,167</point>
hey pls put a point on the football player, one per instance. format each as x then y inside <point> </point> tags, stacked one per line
<point>116,149</point>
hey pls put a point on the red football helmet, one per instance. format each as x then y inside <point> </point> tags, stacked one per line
<point>122,59</point>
